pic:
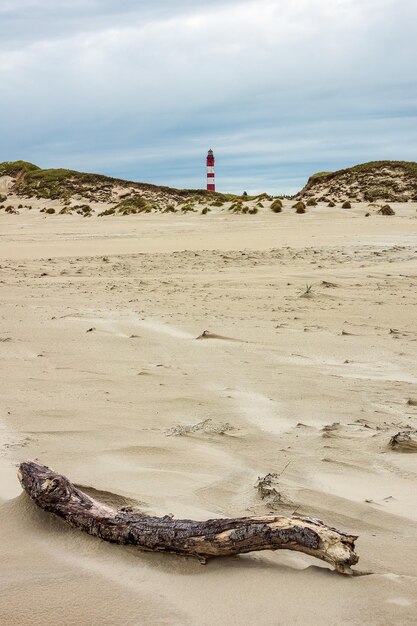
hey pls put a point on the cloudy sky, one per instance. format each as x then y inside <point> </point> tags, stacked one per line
<point>139,89</point>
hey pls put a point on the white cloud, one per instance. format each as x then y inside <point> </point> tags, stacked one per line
<point>297,81</point>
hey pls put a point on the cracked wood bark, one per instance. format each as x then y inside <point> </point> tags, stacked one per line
<point>207,539</point>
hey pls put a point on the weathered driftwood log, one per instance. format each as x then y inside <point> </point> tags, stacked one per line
<point>204,540</point>
<point>405,440</point>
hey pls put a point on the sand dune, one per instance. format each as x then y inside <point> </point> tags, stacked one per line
<point>99,363</point>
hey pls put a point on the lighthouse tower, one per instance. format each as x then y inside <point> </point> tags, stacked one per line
<point>211,185</point>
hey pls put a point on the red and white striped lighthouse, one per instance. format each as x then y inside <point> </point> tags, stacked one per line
<point>211,185</point>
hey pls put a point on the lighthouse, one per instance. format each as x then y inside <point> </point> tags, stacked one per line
<point>211,185</point>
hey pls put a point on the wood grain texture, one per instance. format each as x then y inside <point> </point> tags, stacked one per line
<point>203,539</point>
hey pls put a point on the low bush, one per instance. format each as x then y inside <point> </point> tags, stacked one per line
<point>264,196</point>
<point>346,205</point>
<point>386,210</point>
<point>82,208</point>
<point>380,193</point>
<point>132,205</point>
<point>276,206</point>
<point>236,207</point>
<point>299,207</point>
<point>110,211</point>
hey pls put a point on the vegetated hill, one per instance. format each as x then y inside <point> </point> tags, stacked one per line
<point>394,181</point>
<point>70,188</point>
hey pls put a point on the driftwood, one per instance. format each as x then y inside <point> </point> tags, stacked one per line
<point>405,440</point>
<point>204,540</point>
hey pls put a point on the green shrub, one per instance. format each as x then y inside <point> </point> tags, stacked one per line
<point>311,202</point>
<point>346,205</point>
<point>132,205</point>
<point>378,193</point>
<point>331,203</point>
<point>386,210</point>
<point>300,207</point>
<point>264,196</point>
<point>276,206</point>
<point>236,207</point>
<point>129,211</point>
<point>110,211</point>
<point>82,208</point>
<point>50,211</point>
<point>205,211</point>
<point>253,211</point>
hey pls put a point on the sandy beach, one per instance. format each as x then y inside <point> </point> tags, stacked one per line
<point>101,362</point>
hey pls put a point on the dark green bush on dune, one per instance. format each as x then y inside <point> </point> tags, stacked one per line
<point>299,207</point>
<point>131,205</point>
<point>276,206</point>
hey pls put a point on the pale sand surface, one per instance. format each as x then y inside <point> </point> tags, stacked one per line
<point>96,406</point>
